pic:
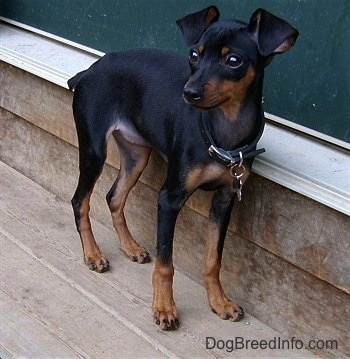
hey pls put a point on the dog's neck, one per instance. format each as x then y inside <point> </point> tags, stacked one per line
<point>230,133</point>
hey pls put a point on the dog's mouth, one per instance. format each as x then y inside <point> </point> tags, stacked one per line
<point>205,97</point>
<point>205,102</point>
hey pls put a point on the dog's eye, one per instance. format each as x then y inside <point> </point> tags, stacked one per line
<point>193,56</point>
<point>234,61</point>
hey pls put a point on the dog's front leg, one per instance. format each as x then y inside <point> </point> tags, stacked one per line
<point>164,309</point>
<point>219,219</point>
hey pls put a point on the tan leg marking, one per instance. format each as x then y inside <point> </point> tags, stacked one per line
<point>125,182</point>
<point>93,257</point>
<point>164,310</point>
<point>218,301</point>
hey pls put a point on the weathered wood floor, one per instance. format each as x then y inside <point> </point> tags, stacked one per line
<point>52,306</point>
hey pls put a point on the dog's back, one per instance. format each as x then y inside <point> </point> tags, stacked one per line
<point>138,91</point>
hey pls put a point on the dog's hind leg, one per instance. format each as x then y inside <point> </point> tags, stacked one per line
<point>91,159</point>
<point>133,160</point>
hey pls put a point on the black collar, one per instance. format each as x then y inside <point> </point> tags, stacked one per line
<point>237,155</point>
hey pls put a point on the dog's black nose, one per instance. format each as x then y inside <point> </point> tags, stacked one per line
<point>192,94</point>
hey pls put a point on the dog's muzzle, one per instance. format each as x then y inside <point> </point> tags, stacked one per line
<point>192,94</point>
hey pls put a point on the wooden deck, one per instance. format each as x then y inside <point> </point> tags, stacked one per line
<point>52,306</point>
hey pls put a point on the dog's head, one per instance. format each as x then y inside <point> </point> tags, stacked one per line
<point>227,57</point>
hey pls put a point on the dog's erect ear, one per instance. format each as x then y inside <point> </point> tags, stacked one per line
<point>271,34</point>
<point>193,25</point>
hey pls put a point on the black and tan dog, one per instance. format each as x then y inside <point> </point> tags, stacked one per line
<point>204,117</point>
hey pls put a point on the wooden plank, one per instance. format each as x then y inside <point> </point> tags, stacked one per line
<point>51,282</point>
<point>23,334</point>
<point>43,316</point>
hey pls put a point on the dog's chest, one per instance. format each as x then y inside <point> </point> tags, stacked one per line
<point>212,176</point>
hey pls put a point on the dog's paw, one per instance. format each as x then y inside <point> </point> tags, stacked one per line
<point>98,264</point>
<point>135,252</point>
<point>167,320</point>
<point>231,314</point>
<point>227,310</point>
<point>140,256</point>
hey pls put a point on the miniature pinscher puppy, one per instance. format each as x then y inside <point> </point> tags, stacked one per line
<point>203,113</point>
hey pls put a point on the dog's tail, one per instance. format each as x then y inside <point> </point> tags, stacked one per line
<point>72,82</point>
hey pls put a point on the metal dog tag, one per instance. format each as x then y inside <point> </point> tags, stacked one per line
<point>238,190</point>
<point>239,195</point>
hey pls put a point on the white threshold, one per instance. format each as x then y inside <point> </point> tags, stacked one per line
<point>303,163</point>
